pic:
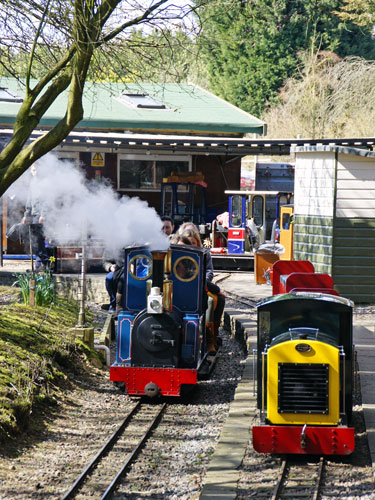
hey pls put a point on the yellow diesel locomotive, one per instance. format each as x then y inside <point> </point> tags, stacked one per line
<point>305,375</point>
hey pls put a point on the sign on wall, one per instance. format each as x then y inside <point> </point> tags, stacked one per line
<point>97,159</point>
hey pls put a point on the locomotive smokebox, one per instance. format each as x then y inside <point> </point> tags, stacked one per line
<point>158,257</point>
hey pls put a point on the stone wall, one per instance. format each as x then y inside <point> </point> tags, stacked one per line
<point>70,286</point>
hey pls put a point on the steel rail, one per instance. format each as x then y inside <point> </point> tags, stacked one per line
<point>318,483</point>
<point>286,468</point>
<point>133,454</point>
<point>78,482</point>
<point>251,303</point>
<point>280,480</point>
<point>241,300</point>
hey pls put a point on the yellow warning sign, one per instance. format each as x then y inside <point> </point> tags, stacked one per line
<point>97,159</point>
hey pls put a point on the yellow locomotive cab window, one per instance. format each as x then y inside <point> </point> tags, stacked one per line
<point>140,267</point>
<point>185,269</point>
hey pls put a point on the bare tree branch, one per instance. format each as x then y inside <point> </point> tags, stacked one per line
<point>59,41</point>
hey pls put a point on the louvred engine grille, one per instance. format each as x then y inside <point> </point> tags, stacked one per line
<point>303,388</point>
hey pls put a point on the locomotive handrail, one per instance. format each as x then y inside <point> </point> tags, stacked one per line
<point>343,382</point>
<point>304,331</point>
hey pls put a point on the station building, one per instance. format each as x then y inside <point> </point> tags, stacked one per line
<point>135,135</point>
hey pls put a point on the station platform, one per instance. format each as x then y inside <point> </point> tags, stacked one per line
<point>222,475</point>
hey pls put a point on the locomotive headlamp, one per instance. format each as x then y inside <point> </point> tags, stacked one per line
<point>155,301</point>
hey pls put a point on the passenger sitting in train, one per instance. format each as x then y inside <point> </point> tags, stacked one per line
<point>168,225</point>
<point>115,273</point>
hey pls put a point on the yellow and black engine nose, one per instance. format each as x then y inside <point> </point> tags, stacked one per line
<point>303,383</point>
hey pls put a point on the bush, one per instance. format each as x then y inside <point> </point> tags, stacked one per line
<point>38,358</point>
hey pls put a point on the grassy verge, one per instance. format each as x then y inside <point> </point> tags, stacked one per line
<point>36,356</point>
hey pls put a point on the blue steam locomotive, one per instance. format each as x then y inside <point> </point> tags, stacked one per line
<point>161,333</point>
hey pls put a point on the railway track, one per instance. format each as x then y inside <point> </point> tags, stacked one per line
<point>250,303</point>
<point>102,475</point>
<point>299,480</point>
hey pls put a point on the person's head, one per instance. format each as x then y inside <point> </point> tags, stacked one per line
<point>168,225</point>
<point>188,225</point>
<point>190,230</point>
<point>190,237</point>
<point>176,239</point>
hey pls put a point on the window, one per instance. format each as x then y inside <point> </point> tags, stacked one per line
<point>186,269</point>
<point>7,95</point>
<point>257,210</point>
<point>141,101</point>
<point>140,267</point>
<point>236,211</point>
<point>148,171</point>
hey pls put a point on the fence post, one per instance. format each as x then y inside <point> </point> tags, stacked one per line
<point>32,293</point>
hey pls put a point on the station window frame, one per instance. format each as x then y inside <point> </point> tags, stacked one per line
<point>150,160</point>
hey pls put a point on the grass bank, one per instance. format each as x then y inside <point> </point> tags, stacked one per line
<point>37,353</point>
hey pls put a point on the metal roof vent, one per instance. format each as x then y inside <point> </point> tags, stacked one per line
<point>143,101</point>
<point>7,96</point>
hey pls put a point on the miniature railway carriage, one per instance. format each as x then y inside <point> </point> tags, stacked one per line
<point>304,375</point>
<point>161,343</point>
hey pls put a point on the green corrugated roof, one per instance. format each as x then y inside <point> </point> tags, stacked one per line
<point>189,109</point>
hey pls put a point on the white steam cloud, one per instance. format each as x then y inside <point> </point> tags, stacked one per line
<point>74,206</point>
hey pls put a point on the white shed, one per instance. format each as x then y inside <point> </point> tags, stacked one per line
<point>334,206</point>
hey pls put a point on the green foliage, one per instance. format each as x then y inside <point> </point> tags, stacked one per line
<point>44,287</point>
<point>58,41</point>
<point>149,56</point>
<point>360,12</point>
<point>37,357</point>
<point>251,48</point>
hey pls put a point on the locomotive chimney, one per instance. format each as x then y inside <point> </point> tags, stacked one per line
<point>158,268</point>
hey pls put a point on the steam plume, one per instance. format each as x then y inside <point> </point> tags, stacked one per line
<point>76,207</point>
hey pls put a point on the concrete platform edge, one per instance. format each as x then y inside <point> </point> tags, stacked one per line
<point>222,473</point>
